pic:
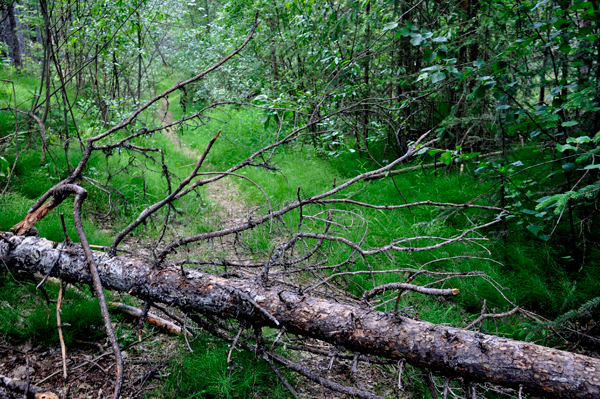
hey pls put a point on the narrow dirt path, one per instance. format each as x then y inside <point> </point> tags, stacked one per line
<point>224,195</point>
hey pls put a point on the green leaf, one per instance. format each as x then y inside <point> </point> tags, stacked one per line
<point>468,156</point>
<point>429,55</point>
<point>426,33</point>
<point>558,24</point>
<point>579,140</point>
<point>440,39</point>
<point>563,148</point>
<point>437,77</point>
<point>403,32</point>
<point>422,151</point>
<point>479,63</point>
<point>389,25</point>
<point>431,68</point>
<point>480,91</point>
<point>535,133</point>
<point>505,106</point>
<point>556,90</point>
<point>455,72</point>
<point>565,48</point>
<point>446,158</point>
<point>416,39</point>
<point>4,167</point>
<point>500,65</point>
<point>557,102</point>
<point>534,229</point>
<point>596,166</point>
<point>569,123</point>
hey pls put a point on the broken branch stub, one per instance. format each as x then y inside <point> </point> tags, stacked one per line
<point>452,351</point>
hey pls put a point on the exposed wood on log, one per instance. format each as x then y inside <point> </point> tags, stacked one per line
<point>452,351</point>
<point>150,318</point>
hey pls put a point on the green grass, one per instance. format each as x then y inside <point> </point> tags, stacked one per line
<point>25,315</point>
<point>205,373</point>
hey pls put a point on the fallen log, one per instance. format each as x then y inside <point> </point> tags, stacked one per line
<point>474,356</point>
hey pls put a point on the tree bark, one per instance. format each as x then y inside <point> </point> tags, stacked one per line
<point>452,351</point>
<point>15,47</point>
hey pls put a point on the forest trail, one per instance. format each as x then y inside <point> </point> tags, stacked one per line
<point>224,195</point>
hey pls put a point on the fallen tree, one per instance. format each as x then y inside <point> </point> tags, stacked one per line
<point>471,355</point>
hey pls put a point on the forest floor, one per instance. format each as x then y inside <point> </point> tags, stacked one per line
<point>90,367</point>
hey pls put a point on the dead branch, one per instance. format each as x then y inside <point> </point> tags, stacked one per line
<point>485,316</point>
<point>59,193</point>
<point>63,348</point>
<point>426,166</point>
<point>151,318</point>
<point>409,287</point>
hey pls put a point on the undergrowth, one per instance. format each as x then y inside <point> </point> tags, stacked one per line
<point>205,373</point>
<point>25,315</point>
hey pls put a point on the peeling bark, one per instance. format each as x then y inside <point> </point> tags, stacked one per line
<point>452,351</point>
<point>151,318</point>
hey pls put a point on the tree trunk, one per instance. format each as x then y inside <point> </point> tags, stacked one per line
<point>15,47</point>
<point>453,351</point>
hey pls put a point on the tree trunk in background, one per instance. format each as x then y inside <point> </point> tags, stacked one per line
<point>14,37</point>
<point>366,72</point>
<point>452,351</point>
<point>20,35</point>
